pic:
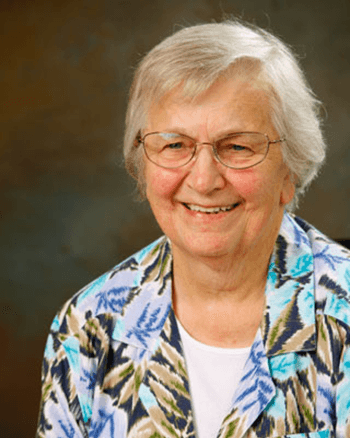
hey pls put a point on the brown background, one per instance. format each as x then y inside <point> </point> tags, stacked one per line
<point>67,208</point>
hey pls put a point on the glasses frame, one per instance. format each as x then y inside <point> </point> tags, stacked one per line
<point>141,140</point>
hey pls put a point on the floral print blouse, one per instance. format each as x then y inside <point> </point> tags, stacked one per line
<point>114,366</point>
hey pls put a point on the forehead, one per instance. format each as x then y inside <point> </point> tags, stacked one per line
<point>228,105</point>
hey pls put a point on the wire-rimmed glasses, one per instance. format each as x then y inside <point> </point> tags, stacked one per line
<point>239,150</point>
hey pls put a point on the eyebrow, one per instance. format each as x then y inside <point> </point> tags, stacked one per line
<point>171,134</point>
<point>176,132</point>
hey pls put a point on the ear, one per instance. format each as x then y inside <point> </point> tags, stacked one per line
<point>288,189</point>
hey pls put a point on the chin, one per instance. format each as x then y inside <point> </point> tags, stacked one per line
<point>206,247</point>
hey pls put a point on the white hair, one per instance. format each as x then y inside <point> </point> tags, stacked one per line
<point>197,56</point>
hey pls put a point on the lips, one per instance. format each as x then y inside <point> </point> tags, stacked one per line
<point>210,210</point>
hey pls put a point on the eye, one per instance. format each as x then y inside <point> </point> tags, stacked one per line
<point>232,147</point>
<point>174,146</point>
<point>237,147</point>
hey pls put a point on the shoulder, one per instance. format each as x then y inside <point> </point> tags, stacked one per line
<point>331,271</point>
<point>108,296</point>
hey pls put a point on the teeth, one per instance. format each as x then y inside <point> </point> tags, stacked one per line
<point>209,210</point>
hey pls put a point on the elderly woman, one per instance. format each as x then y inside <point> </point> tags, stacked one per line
<point>236,322</point>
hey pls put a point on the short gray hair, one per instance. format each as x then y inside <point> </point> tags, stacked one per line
<point>197,56</point>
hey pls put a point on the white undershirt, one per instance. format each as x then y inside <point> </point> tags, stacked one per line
<point>214,374</point>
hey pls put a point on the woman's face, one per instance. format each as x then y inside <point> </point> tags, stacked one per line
<point>254,197</point>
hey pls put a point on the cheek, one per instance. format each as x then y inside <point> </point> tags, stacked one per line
<point>160,183</point>
<point>258,188</point>
<point>249,184</point>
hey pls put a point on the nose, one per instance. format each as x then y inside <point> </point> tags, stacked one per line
<point>205,174</point>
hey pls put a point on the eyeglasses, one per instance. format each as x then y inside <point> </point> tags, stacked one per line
<point>240,150</point>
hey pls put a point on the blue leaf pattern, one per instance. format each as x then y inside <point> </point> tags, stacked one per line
<point>89,378</point>
<point>103,425</point>
<point>147,324</point>
<point>68,430</point>
<point>329,258</point>
<point>111,300</point>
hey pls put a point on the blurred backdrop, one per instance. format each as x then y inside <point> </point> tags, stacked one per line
<point>68,211</point>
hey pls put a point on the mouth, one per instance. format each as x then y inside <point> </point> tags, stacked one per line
<point>210,210</point>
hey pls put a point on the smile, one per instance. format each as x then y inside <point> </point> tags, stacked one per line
<point>210,210</point>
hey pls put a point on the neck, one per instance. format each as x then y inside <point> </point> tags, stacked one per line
<point>233,277</point>
<point>220,301</point>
